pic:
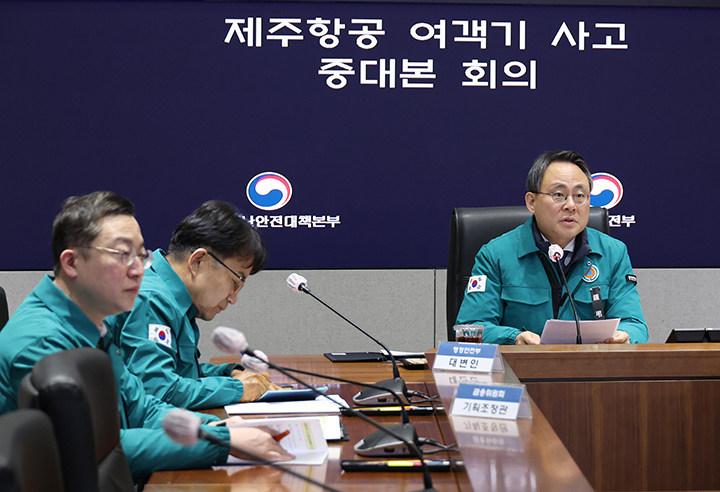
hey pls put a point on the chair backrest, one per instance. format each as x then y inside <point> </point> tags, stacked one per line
<point>470,229</point>
<point>77,389</point>
<point>29,457</point>
<point>4,312</point>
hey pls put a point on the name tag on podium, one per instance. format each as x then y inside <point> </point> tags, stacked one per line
<point>507,401</point>
<point>471,357</point>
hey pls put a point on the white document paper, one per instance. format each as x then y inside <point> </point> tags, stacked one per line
<point>400,353</point>
<point>306,440</point>
<point>560,331</point>
<point>319,405</point>
<point>331,427</point>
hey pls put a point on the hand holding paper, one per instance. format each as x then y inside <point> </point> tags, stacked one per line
<point>259,441</point>
<point>619,337</point>
<point>302,440</point>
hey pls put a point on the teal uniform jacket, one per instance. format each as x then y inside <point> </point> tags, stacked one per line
<point>48,321</point>
<point>159,338</point>
<point>516,295</point>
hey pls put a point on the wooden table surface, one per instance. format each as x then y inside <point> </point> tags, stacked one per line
<point>631,361</point>
<point>530,457</point>
<point>633,417</point>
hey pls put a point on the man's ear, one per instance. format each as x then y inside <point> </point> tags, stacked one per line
<point>530,201</point>
<point>194,260</point>
<point>68,260</point>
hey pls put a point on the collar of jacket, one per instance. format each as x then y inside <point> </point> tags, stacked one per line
<point>64,308</point>
<point>527,244</point>
<point>165,271</point>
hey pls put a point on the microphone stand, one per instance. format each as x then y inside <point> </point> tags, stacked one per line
<point>393,386</point>
<point>406,426</point>
<point>578,338</point>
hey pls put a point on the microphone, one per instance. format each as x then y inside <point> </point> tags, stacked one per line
<point>555,252</point>
<point>369,395</point>
<point>183,427</point>
<point>229,340</point>
<point>404,433</point>
<point>297,283</point>
<point>232,341</point>
<point>256,363</point>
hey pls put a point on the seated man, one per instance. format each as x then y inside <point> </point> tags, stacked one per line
<point>212,252</point>
<point>514,288</point>
<point>99,259</point>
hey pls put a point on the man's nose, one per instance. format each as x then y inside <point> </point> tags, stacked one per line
<point>137,268</point>
<point>570,203</point>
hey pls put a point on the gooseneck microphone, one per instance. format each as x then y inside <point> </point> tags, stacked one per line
<point>555,252</point>
<point>183,427</point>
<point>369,395</point>
<point>232,341</point>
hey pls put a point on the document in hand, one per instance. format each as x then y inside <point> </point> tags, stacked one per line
<point>305,440</point>
<point>560,331</point>
<point>319,405</point>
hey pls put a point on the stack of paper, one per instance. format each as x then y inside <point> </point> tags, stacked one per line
<point>317,406</point>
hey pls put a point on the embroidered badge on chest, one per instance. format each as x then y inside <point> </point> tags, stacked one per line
<point>160,334</point>
<point>591,274</point>
<point>476,283</point>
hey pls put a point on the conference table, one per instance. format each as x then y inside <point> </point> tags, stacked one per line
<point>534,459</point>
<point>631,417</point>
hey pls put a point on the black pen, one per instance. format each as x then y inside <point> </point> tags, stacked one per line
<point>394,465</point>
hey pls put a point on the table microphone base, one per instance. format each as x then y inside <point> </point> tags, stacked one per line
<point>380,443</point>
<point>376,397</point>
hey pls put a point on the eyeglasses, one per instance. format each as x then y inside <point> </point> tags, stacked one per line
<point>242,279</point>
<point>578,198</point>
<point>127,258</point>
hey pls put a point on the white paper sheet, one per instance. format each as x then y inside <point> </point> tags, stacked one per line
<point>306,440</point>
<point>400,353</point>
<point>560,331</point>
<point>319,405</point>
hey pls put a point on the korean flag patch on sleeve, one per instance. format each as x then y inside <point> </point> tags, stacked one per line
<point>160,334</point>
<point>476,283</point>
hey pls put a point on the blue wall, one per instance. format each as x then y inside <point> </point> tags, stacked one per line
<point>148,100</point>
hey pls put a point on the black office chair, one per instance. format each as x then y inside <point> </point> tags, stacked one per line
<point>4,316</point>
<point>471,228</point>
<point>77,389</point>
<point>29,457</point>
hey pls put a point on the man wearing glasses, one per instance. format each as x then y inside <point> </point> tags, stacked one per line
<point>211,254</point>
<point>514,289</point>
<point>99,261</point>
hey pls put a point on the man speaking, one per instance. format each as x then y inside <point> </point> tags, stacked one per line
<point>514,288</point>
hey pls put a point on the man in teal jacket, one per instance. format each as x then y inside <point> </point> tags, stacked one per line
<point>514,288</point>
<point>212,252</point>
<point>99,259</point>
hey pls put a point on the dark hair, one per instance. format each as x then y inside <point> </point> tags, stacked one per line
<point>77,224</point>
<point>537,171</point>
<point>218,227</point>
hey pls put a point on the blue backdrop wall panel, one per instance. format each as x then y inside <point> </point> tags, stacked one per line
<point>175,103</point>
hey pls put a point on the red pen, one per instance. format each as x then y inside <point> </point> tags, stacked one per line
<point>281,435</point>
